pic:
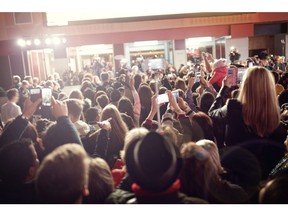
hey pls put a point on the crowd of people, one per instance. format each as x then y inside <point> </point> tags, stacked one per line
<point>113,142</point>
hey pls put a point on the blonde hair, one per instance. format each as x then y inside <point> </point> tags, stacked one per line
<point>199,172</point>
<point>63,174</point>
<point>212,149</point>
<point>259,101</point>
<point>133,136</point>
<point>118,126</point>
<point>100,181</point>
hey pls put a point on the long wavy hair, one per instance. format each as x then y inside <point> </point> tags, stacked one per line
<point>257,95</point>
<point>118,126</point>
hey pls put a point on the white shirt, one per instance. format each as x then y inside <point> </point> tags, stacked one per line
<point>9,110</point>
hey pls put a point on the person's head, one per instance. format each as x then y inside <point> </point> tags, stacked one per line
<point>275,191</point>
<point>133,136</point>
<point>29,132</point>
<point>158,171</point>
<point>90,94</point>
<point>198,172</point>
<point>62,96</point>
<point>115,96</point>
<point>13,95</point>
<point>102,100</point>
<point>18,162</point>
<point>29,79</point>
<point>259,101</point>
<point>205,102</point>
<point>100,182</point>
<point>104,76</point>
<point>235,93</point>
<point>202,127</point>
<point>118,126</point>
<point>75,108</point>
<point>48,84</point>
<point>137,81</point>
<point>145,95</point>
<point>92,115</point>
<point>63,176</point>
<point>35,81</point>
<point>25,84</point>
<point>212,149</point>
<point>16,79</point>
<point>180,84</point>
<point>42,126</point>
<point>76,94</point>
<point>125,106</point>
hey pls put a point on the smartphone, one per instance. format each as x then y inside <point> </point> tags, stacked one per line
<point>46,96</point>
<point>35,93</point>
<point>176,95</point>
<point>240,74</point>
<point>162,98</point>
<point>234,73</point>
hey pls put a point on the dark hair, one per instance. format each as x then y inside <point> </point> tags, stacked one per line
<point>91,114</point>
<point>11,93</point>
<point>115,95</point>
<point>104,76</point>
<point>128,121</point>
<point>42,125</point>
<point>102,100</point>
<point>125,106</point>
<point>15,160</point>
<point>202,127</point>
<point>206,100</point>
<point>145,94</point>
<point>137,81</point>
<point>276,76</point>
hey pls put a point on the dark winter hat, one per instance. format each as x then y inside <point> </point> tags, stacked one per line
<point>153,162</point>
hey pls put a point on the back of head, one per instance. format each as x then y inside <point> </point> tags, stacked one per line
<point>91,114</point>
<point>206,100</point>
<point>16,158</point>
<point>202,127</point>
<point>259,101</point>
<point>100,182</point>
<point>133,136</point>
<point>153,162</point>
<point>63,175</point>
<point>75,107</point>
<point>76,94</point>
<point>125,106</point>
<point>104,76</point>
<point>119,127</point>
<point>198,170</point>
<point>145,94</point>
<point>102,100</point>
<point>11,93</point>
<point>115,96</point>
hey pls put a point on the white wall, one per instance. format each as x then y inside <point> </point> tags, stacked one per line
<point>59,65</point>
<point>180,57</point>
<point>242,44</point>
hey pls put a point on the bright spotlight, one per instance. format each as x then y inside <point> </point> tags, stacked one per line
<point>21,42</point>
<point>64,40</point>
<point>37,42</point>
<point>56,40</point>
<point>28,42</point>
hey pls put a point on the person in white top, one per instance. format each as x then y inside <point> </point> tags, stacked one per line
<point>10,109</point>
